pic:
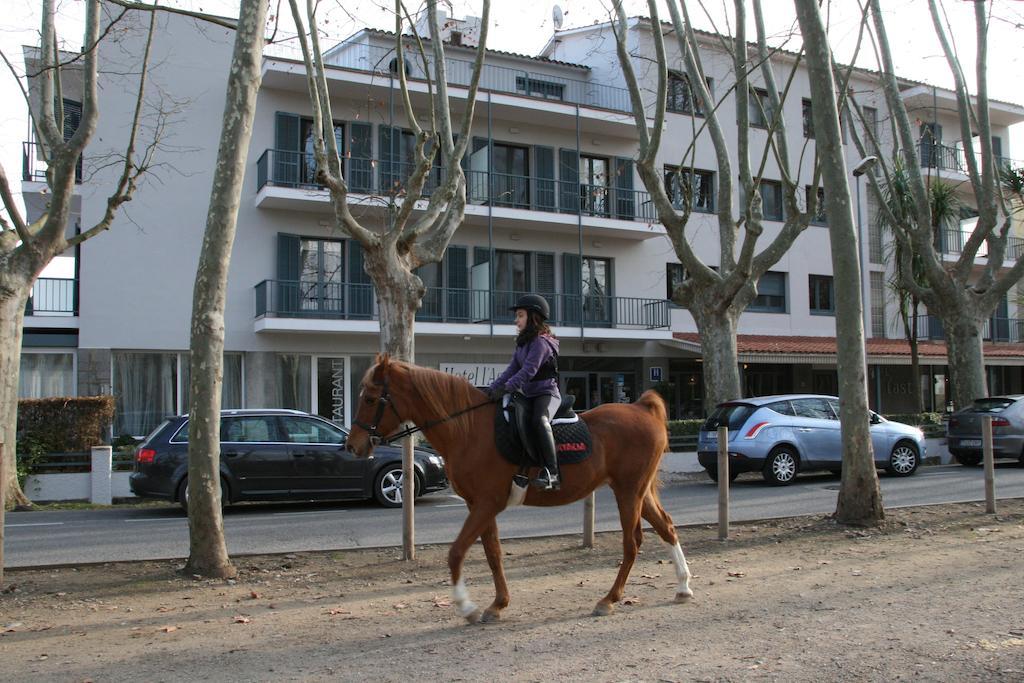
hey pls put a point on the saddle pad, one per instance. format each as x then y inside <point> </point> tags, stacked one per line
<point>572,441</point>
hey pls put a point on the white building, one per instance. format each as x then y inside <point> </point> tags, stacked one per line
<point>555,207</point>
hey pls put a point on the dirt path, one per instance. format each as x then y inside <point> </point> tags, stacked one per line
<point>936,595</point>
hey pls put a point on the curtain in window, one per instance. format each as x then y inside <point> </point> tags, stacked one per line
<point>231,385</point>
<point>144,387</point>
<point>294,383</point>
<point>43,375</point>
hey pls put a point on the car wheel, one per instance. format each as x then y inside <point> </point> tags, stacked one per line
<point>713,474</point>
<point>903,460</point>
<point>781,467</point>
<point>968,459</point>
<point>183,494</point>
<point>387,487</point>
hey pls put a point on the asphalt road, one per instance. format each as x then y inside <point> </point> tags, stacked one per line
<point>161,531</point>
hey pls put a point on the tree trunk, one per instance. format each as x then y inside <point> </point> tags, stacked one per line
<point>721,371</point>
<point>12,319</point>
<point>965,358</point>
<point>208,554</point>
<point>915,361</point>
<point>860,500</point>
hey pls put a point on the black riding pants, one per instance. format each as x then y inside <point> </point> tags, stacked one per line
<point>541,409</point>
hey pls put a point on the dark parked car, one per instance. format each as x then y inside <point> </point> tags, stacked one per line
<point>782,435</point>
<point>279,455</point>
<point>963,432</point>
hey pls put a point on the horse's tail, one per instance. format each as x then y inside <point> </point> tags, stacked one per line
<point>652,401</point>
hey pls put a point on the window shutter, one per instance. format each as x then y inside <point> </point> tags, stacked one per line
<point>569,181</point>
<point>544,168</point>
<point>477,164</point>
<point>572,302</point>
<point>456,274</point>
<point>624,197</point>
<point>286,293</point>
<point>360,167</point>
<point>287,149</point>
<point>72,117</point>
<point>359,294</point>
<point>544,280</point>
<point>387,157</point>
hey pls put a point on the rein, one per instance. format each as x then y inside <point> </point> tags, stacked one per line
<point>385,400</point>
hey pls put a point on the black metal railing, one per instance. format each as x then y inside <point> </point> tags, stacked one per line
<point>53,296</point>
<point>995,329</point>
<point>933,154</point>
<point>953,241</point>
<point>356,301</point>
<point>291,169</point>
<point>34,165</point>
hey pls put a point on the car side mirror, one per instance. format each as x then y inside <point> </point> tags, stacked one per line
<point>875,419</point>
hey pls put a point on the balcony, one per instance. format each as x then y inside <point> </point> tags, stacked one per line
<point>372,177</point>
<point>53,297</point>
<point>356,302</point>
<point>946,158</point>
<point>380,60</point>
<point>952,242</point>
<point>995,329</point>
<point>34,167</point>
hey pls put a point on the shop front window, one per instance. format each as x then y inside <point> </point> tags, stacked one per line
<point>44,375</point>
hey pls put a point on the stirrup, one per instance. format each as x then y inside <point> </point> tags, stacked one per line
<point>547,480</point>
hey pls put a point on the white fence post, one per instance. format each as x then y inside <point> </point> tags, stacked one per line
<point>101,475</point>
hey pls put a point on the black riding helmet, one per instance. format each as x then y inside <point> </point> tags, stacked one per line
<point>533,302</point>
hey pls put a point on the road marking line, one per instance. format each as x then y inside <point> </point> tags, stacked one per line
<point>451,505</point>
<point>153,519</point>
<point>11,526</point>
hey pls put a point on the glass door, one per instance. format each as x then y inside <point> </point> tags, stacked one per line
<point>597,288</point>
<point>594,185</point>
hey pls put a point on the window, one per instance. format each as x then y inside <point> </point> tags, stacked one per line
<point>771,294</point>
<point>145,387</point>
<point>808,119</point>
<point>306,430</point>
<point>294,382</point>
<point>595,182</point>
<point>816,205</point>
<point>822,295</point>
<point>231,384</point>
<point>870,121</point>
<point>771,200</point>
<point>759,108</point>
<point>510,177</point>
<point>877,283</point>
<point>249,429</point>
<point>675,274</point>
<point>702,186</point>
<point>533,87</point>
<point>814,408</point>
<point>46,375</point>
<point>597,289</point>
<point>680,97</point>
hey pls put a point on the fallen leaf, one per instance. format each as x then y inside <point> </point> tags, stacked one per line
<point>631,601</point>
<point>333,612</point>
<point>169,629</point>
<point>400,605</point>
<point>253,595</point>
<point>737,575</point>
<point>239,619</point>
<point>13,625</point>
<point>441,602</point>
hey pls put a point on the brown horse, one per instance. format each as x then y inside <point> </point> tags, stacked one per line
<point>628,442</point>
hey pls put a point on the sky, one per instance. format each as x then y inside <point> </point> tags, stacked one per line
<point>524,26</point>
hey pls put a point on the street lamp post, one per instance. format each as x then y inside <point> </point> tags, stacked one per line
<point>862,167</point>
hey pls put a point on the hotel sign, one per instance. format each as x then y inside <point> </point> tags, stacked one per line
<point>477,374</point>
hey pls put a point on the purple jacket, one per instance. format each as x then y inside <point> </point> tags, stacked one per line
<point>526,361</point>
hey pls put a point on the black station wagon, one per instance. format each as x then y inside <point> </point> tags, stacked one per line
<point>279,455</point>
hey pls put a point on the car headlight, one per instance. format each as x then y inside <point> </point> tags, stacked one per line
<point>435,460</point>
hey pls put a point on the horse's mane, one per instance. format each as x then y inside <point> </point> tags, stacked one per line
<point>443,394</point>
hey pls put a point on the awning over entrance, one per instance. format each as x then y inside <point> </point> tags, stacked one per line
<point>763,348</point>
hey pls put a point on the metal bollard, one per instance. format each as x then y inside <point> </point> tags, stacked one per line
<point>723,483</point>
<point>990,468</point>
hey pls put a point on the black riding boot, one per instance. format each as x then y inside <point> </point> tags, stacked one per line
<point>545,440</point>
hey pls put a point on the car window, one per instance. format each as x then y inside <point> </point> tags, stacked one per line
<point>992,405</point>
<point>248,429</point>
<point>834,405</point>
<point>816,408</point>
<point>307,430</point>
<point>731,415</point>
<point>782,408</point>
<point>180,436</point>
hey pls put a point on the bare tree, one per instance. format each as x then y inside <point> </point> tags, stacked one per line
<point>207,550</point>
<point>717,296</point>
<point>961,294</point>
<point>860,499</point>
<point>27,247</point>
<point>405,239</point>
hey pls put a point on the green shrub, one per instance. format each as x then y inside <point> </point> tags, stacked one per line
<point>684,427</point>
<point>62,425</point>
<point>917,419</point>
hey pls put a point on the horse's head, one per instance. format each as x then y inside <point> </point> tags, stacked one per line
<point>376,415</point>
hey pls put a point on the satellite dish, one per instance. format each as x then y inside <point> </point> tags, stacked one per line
<point>557,16</point>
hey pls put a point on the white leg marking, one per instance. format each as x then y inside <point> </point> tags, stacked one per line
<point>682,570</point>
<point>463,605</point>
<point>516,495</point>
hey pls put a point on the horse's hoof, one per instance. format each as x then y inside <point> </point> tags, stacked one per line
<point>490,616</point>
<point>684,597</point>
<point>473,617</point>
<point>603,609</point>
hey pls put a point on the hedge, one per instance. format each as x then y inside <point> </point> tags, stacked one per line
<point>63,425</point>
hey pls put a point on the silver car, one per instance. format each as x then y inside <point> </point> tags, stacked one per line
<point>963,432</point>
<point>782,435</point>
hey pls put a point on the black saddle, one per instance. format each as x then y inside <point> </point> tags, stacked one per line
<point>572,440</point>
